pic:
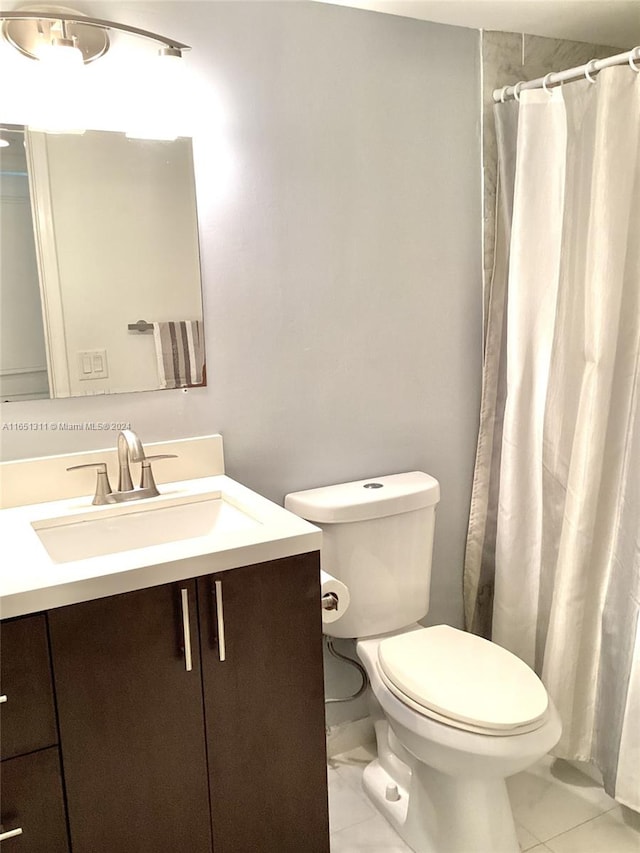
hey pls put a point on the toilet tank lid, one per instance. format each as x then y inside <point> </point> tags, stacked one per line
<point>374,497</point>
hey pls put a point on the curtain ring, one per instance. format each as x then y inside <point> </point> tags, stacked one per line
<point>587,70</point>
<point>545,83</point>
<point>516,90</point>
<point>635,53</point>
<point>503,93</point>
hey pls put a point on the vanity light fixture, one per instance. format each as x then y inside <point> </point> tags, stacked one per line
<point>49,29</point>
<point>66,40</point>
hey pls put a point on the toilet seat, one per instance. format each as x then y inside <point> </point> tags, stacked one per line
<point>463,681</point>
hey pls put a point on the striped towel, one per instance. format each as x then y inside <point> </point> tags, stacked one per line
<point>180,353</point>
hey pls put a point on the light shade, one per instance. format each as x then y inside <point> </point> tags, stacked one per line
<point>61,93</point>
<point>162,94</point>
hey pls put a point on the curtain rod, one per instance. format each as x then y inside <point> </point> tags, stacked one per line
<point>570,74</point>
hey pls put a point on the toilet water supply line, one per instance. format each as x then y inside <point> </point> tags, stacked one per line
<point>363,673</point>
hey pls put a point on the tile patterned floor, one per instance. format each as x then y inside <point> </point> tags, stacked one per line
<point>557,810</point>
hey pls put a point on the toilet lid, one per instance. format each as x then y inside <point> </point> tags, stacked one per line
<point>463,678</point>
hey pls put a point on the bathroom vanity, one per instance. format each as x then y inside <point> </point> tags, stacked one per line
<point>161,707</point>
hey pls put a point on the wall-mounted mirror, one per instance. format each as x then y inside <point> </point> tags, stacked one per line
<point>97,232</point>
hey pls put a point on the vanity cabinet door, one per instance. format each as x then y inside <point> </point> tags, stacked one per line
<point>264,706</point>
<point>32,804</point>
<point>131,722</point>
<point>27,712</point>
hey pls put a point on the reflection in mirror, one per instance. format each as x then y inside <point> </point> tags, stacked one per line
<point>98,232</point>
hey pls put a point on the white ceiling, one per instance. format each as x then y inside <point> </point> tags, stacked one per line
<point>607,22</point>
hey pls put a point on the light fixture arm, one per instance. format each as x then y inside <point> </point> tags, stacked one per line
<point>100,23</point>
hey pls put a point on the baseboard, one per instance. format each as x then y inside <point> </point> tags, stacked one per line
<point>347,736</point>
<point>588,769</point>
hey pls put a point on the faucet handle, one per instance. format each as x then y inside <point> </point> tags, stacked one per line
<point>146,476</point>
<point>103,486</point>
<point>160,456</point>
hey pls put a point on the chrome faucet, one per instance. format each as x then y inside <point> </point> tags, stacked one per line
<point>130,449</point>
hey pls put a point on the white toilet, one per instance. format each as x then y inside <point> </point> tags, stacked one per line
<point>454,714</point>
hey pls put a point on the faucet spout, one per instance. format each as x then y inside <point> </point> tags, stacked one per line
<point>129,448</point>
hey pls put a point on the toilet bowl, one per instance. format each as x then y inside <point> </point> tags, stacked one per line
<point>454,714</point>
<point>441,786</point>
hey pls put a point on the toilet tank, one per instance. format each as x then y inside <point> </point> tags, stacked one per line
<point>378,540</point>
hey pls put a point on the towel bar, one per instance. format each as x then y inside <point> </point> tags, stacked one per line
<point>140,326</point>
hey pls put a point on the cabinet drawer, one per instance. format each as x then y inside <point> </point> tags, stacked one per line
<point>27,713</point>
<point>31,797</point>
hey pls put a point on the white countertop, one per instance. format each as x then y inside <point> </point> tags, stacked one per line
<point>31,581</point>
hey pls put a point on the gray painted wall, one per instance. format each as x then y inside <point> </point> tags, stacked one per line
<point>342,270</point>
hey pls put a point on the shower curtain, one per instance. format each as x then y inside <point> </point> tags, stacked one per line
<point>552,566</point>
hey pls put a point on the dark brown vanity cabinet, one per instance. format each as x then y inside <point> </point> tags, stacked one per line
<point>191,715</point>
<point>264,706</point>
<point>32,810</point>
<point>32,804</point>
<point>27,706</point>
<point>129,697</point>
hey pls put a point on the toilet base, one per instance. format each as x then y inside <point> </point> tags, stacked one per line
<point>438,813</point>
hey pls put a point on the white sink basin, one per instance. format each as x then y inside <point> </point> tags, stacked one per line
<point>118,528</point>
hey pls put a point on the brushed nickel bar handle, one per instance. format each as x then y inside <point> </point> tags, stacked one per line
<point>186,630</point>
<point>11,833</point>
<point>222,652</point>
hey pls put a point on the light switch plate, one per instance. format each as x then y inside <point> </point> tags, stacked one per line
<point>92,364</point>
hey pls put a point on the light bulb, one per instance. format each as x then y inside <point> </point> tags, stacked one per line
<point>61,56</point>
